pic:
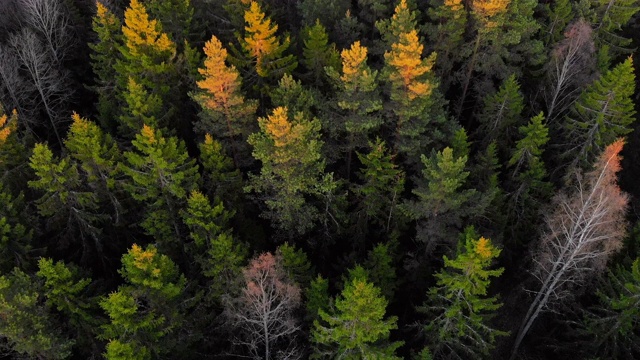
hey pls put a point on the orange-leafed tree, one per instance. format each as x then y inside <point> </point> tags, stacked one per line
<point>587,226</point>
<point>263,51</point>
<point>264,311</point>
<point>148,58</point>
<point>225,111</point>
<point>411,86</point>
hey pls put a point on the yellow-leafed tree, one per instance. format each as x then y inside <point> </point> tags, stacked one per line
<point>225,111</point>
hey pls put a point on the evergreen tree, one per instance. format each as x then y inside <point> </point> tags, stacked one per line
<point>71,209</point>
<point>218,255</point>
<point>459,304</point>
<point>142,108</point>
<point>104,56</point>
<point>442,199</point>
<point>161,176</point>
<point>27,323</point>
<point>411,85</point>
<point>176,17</point>
<point>317,297</point>
<point>402,21</point>
<point>501,114</point>
<point>15,233</point>
<point>446,35</point>
<point>610,16</point>
<point>292,166</point>
<point>290,93</point>
<point>222,181</point>
<point>611,326</point>
<point>327,12</point>
<point>225,111</point>
<point>383,184</point>
<point>13,154</point>
<point>144,310</point>
<point>381,270</point>
<point>296,264</point>
<point>528,184</point>
<point>603,113</point>
<point>318,53</point>
<point>558,15</point>
<point>356,328</point>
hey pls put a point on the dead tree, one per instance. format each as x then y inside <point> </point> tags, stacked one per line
<point>587,225</point>
<point>569,71</point>
<point>50,19</point>
<point>263,313</point>
<point>49,80</point>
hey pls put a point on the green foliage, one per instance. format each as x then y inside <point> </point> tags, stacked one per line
<point>15,235</point>
<point>296,264</point>
<point>558,16</point>
<point>327,12</point>
<point>161,174</point>
<point>290,93</point>
<point>154,281</point>
<point>27,323</point>
<point>104,56</point>
<point>292,166</point>
<point>501,113</point>
<point>402,21</point>
<point>219,256</point>
<point>175,15</point>
<point>317,296</point>
<point>603,113</point>
<point>609,17</point>
<point>442,200</point>
<point>446,34</point>
<point>458,304</point>
<point>63,288</point>
<point>356,328</point>
<point>381,270</point>
<point>141,109</point>
<point>611,326</point>
<point>318,53</point>
<point>222,181</point>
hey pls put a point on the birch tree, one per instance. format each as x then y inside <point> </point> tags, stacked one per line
<point>587,226</point>
<point>50,19</point>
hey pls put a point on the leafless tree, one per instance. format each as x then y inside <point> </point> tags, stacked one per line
<point>586,227</point>
<point>264,311</point>
<point>51,20</point>
<point>48,79</point>
<point>14,90</point>
<point>570,69</point>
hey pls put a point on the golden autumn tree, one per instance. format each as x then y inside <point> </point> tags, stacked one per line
<point>411,85</point>
<point>262,50</point>
<point>292,166</point>
<point>225,111</point>
<point>357,99</point>
<point>148,59</point>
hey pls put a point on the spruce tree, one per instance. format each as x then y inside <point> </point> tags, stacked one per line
<point>16,233</point>
<point>445,33</point>
<point>318,53</point>
<point>402,21</point>
<point>459,306</point>
<point>221,179</point>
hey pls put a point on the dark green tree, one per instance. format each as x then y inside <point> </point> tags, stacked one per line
<point>318,53</point>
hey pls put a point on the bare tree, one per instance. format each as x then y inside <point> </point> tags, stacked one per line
<point>586,227</point>
<point>50,19</point>
<point>14,90</point>
<point>48,79</point>
<point>570,69</point>
<point>264,311</point>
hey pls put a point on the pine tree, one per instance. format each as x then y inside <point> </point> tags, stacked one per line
<point>225,111</point>
<point>161,176</point>
<point>442,199</point>
<point>297,98</point>
<point>27,323</point>
<point>318,53</point>
<point>263,50</point>
<point>411,85</point>
<point>611,326</point>
<point>144,310</point>
<point>459,305</point>
<point>292,166</point>
<point>609,16</point>
<point>356,327</point>
<point>357,99</point>
<point>603,113</point>
<point>104,56</point>
<point>222,181</point>
<point>383,183</point>
<point>558,16</point>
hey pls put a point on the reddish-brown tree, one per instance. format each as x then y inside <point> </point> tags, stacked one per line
<point>263,313</point>
<point>586,227</point>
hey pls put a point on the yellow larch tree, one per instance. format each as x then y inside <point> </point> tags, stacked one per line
<point>226,113</point>
<point>411,84</point>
